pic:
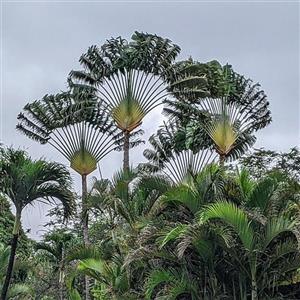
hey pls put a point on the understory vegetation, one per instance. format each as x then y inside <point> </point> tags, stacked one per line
<point>204,216</point>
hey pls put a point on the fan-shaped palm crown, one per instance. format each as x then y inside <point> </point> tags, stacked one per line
<point>234,109</point>
<point>74,123</point>
<point>132,77</point>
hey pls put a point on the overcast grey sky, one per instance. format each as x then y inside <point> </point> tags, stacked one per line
<point>42,41</point>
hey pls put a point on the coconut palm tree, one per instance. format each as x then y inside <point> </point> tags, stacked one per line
<point>133,78</point>
<point>25,181</point>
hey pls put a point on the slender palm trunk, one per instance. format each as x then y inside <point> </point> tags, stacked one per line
<point>85,223</point>
<point>254,290</point>
<point>61,276</point>
<point>61,285</point>
<point>126,151</point>
<point>11,261</point>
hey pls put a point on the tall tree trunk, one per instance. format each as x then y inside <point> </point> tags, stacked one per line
<point>11,261</point>
<point>85,224</point>
<point>85,216</point>
<point>126,151</point>
<point>222,159</point>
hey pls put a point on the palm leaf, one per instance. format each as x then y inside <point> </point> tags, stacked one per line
<point>234,217</point>
<point>276,226</point>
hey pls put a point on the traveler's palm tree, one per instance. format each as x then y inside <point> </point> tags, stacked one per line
<point>172,158</point>
<point>133,78</point>
<point>55,246</point>
<point>233,111</point>
<point>76,125</point>
<point>25,182</point>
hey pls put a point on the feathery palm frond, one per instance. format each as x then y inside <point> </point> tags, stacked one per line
<point>206,185</point>
<point>233,216</point>
<point>25,181</point>
<point>276,226</point>
<point>176,284</point>
<point>19,290</point>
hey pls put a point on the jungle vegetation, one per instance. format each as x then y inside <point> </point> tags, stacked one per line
<point>204,216</point>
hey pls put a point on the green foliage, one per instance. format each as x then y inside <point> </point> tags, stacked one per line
<point>234,217</point>
<point>179,226</point>
<point>171,156</point>
<point>242,104</point>
<point>16,290</point>
<point>262,162</point>
<point>24,181</point>
<point>74,123</point>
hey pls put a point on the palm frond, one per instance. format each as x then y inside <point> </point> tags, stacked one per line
<point>277,226</point>
<point>170,234</point>
<point>234,217</point>
<point>27,181</point>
